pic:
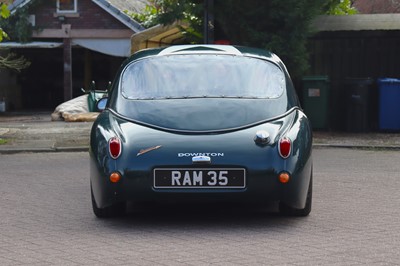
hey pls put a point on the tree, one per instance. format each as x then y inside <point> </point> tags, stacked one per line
<point>341,7</point>
<point>281,26</point>
<point>11,60</point>
<point>169,11</point>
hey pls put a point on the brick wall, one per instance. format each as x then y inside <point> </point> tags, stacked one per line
<point>377,6</point>
<point>91,16</point>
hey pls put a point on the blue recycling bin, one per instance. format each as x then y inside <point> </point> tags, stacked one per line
<point>389,104</point>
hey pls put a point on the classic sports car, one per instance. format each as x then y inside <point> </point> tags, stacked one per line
<point>205,123</point>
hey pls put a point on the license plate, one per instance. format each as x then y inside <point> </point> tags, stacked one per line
<point>199,178</point>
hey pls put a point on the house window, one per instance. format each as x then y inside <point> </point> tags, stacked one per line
<point>67,6</point>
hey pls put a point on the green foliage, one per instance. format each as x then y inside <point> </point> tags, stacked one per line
<point>3,141</point>
<point>11,60</point>
<point>17,26</point>
<point>169,11</point>
<point>148,18</point>
<point>182,10</point>
<point>4,13</point>
<point>187,11</point>
<point>3,35</point>
<point>342,7</point>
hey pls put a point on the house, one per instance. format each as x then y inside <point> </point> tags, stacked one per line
<point>74,42</point>
<point>361,46</point>
<point>377,7</point>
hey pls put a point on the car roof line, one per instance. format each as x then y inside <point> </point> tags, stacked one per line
<point>203,49</point>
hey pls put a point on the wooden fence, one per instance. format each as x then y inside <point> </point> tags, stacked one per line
<point>358,54</point>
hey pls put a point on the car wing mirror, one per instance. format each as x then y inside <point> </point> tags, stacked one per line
<point>101,104</point>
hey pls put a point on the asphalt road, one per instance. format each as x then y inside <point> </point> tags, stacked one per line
<point>46,219</point>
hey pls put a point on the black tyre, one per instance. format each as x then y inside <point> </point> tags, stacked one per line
<point>107,212</point>
<point>289,211</point>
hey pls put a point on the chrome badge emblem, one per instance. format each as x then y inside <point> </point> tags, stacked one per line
<point>201,160</point>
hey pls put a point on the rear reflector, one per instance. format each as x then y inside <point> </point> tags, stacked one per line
<point>285,147</point>
<point>115,177</point>
<point>114,147</point>
<point>284,177</point>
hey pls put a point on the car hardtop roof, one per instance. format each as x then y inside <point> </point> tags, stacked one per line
<point>206,49</point>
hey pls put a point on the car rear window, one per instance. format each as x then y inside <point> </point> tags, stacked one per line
<point>193,76</point>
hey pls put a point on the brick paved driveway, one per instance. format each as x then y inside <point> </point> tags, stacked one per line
<point>46,219</point>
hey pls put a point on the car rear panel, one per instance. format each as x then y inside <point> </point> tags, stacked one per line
<point>145,149</point>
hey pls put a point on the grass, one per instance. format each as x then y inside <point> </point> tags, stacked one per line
<point>3,141</point>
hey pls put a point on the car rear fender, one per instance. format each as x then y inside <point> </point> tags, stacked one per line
<point>299,164</point>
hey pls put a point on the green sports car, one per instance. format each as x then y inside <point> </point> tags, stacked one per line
<point>203,123</point>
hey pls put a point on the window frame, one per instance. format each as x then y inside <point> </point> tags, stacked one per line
<point>276,73</point>
<point>75,10</point>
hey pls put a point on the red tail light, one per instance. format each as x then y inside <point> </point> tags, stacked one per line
<point>285,147</point>
<point>114,145</point>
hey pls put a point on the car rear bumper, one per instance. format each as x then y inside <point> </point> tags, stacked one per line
<point>261,186</point>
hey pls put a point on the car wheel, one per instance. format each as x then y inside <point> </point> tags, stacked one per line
<point>289,211</point>
<point>107,212</point>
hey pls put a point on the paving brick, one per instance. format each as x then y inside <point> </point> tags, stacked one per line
<point>46,219</point>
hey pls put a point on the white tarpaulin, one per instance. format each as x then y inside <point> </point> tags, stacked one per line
<point>114,47</point>
<point>74,110</point>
